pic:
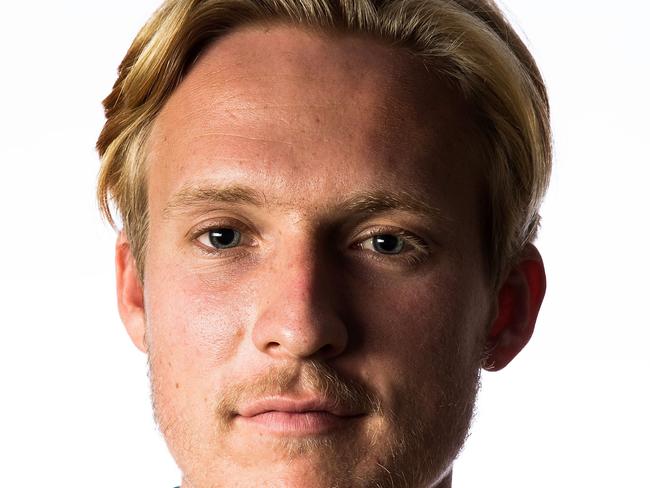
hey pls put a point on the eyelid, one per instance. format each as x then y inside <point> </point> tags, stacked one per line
<point>220,223</point>
<point>216,223</point>
<point>412,239</point>
<point>420,249</point>
<point>411,245</point>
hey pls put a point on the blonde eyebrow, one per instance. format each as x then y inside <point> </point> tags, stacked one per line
<point>378,201</point>
<point>364,202</point>
<point>201,196</point>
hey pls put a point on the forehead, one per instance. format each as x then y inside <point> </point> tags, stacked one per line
<point>308,113</point>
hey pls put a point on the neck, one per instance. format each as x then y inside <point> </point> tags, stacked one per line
<point>443,483</point>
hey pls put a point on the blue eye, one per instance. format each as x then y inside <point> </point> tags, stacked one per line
<point>384,244</point>
<point>221,238</point>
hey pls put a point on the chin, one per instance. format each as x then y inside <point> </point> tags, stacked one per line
<point>320,462</point>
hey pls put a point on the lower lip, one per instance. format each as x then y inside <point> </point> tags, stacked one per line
<point>299,423</point>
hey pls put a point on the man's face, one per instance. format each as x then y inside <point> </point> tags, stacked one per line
<point>315,292</point>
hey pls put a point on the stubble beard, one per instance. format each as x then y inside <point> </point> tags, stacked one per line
<point>414,451</point>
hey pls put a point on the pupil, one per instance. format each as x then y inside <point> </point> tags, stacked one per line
<point>223,238</point>
<point>388,244</point>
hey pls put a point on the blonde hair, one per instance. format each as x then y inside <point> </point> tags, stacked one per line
<point>466,41</point>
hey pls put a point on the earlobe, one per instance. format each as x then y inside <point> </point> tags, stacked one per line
<point>130,297</point>
<point>520,298</point>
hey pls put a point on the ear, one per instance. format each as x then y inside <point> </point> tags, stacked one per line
<point>130,297</point>
<point>519,300</point>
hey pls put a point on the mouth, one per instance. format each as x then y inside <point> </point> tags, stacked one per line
<point>297,417</point>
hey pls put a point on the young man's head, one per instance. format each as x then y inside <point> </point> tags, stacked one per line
<point>328,212</point>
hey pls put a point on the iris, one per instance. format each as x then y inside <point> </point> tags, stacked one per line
<point>224,238</point>
<point>388,244</point>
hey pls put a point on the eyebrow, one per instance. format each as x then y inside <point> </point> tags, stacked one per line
<point>377,201</point>
<point>369,201</point>
<point>201,196</point>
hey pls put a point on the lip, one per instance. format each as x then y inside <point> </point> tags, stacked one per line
<point>291,416</point>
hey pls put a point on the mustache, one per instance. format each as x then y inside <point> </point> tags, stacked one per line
<point>311,377</point>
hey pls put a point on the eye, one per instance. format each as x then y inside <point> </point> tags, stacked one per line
<point>220,238</point>
<point>384,244</point>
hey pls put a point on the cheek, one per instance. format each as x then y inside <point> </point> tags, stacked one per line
<point>422,330</point>
<point>193,327</point>
<point>418,315</point>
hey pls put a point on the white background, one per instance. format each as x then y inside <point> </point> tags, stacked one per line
<point>571,411</point>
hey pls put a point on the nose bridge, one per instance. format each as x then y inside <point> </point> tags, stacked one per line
<point>297,316</point>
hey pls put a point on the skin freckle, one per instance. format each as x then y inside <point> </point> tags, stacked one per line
<point>337,340</point>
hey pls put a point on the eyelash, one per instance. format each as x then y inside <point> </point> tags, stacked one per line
<point>417,249</point>
<point>210,227</point>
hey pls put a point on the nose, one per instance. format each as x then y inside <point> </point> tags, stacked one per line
<point>297,316</point>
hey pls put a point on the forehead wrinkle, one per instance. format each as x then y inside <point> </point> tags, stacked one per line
<point>239,136</point>
<point>222,69</point>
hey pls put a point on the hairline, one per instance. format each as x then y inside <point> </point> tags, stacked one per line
<point>509,214</point>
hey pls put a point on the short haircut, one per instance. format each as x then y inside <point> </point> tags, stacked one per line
<point>466,42</point>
